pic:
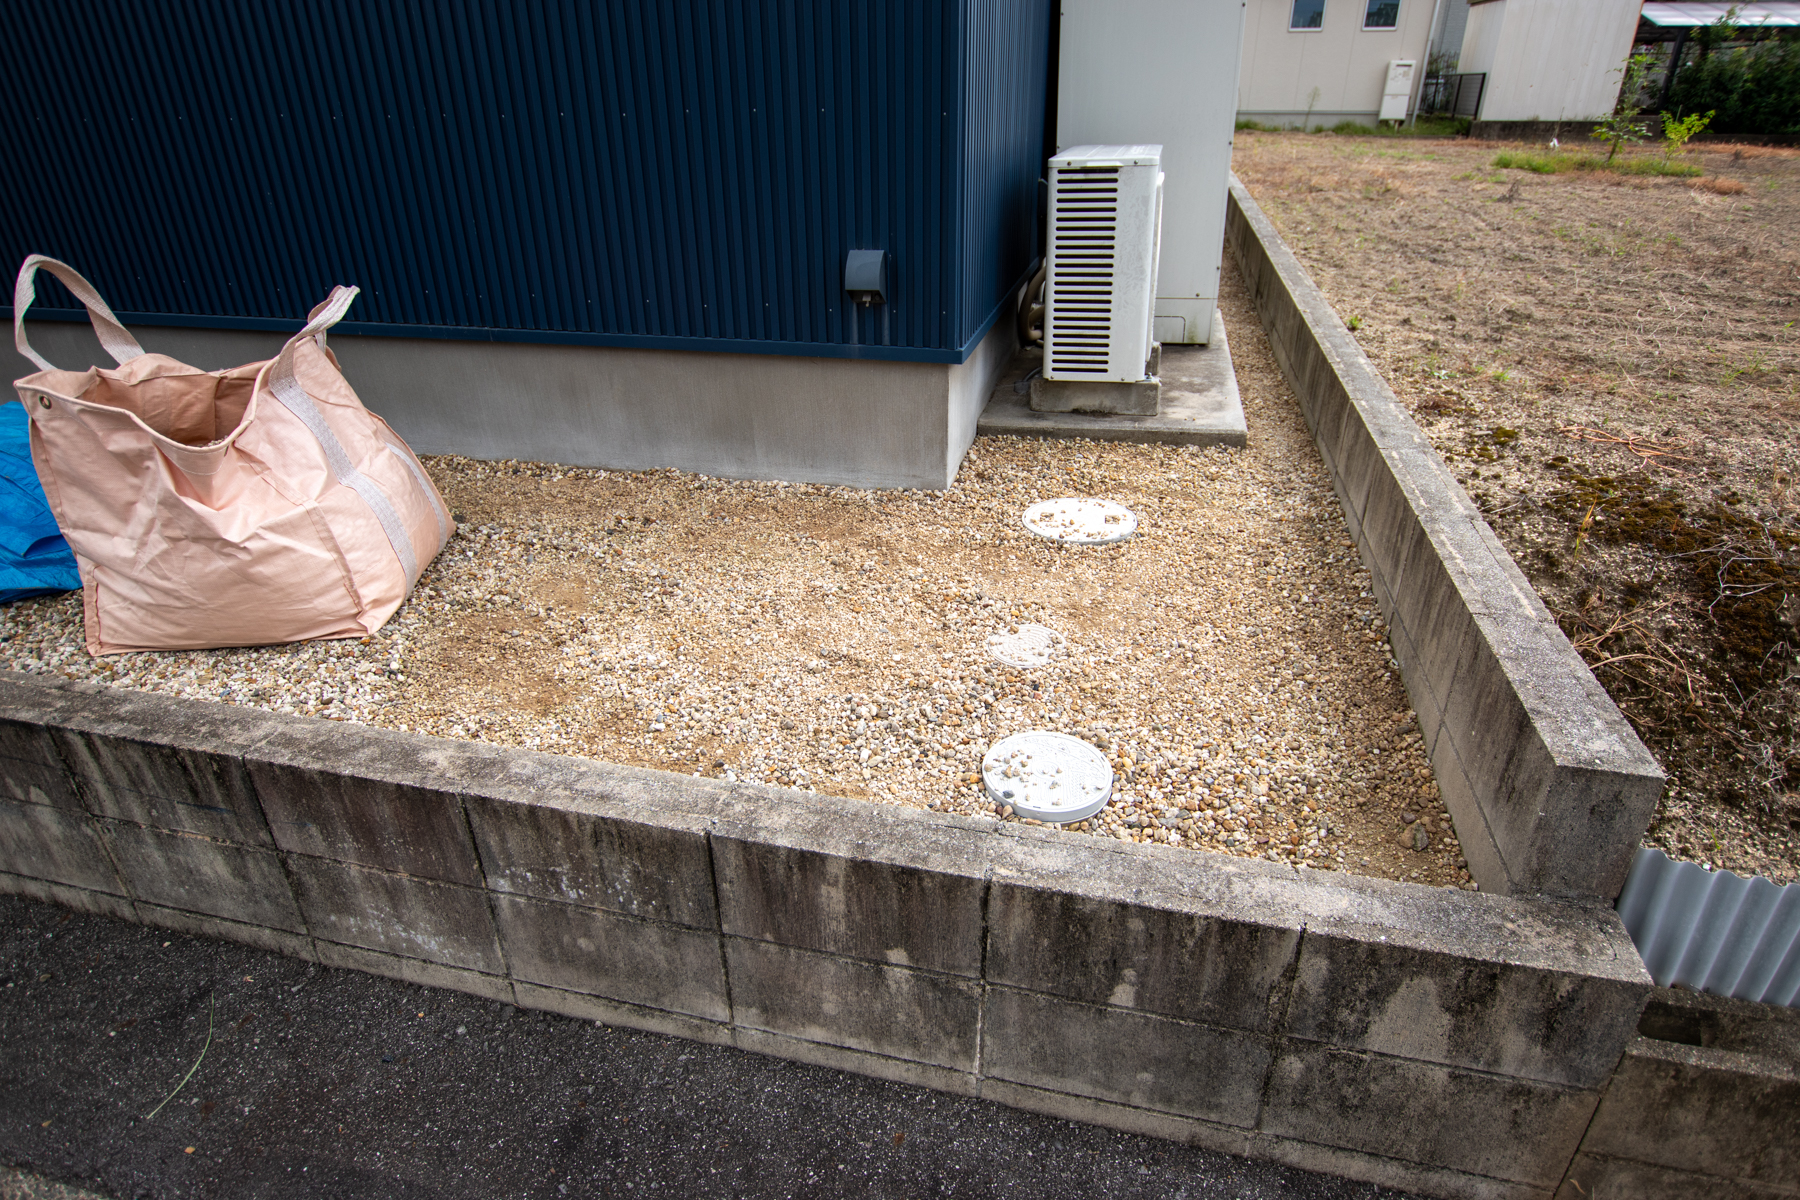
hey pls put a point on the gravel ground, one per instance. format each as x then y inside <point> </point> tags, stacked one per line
<point>1228,658</point>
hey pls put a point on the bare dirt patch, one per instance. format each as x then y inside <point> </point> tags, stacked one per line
<point>1611,364</point>
<point>1228,659</point>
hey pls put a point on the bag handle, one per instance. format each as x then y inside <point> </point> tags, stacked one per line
<point>114,338</point>
<point>287,390</point>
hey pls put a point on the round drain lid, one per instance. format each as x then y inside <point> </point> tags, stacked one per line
<point>1047,776</point>
<point>1027,646</point>
<point>1081,521</point>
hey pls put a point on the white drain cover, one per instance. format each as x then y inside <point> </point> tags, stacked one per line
<point>1028,646</point>
<point>1048,776</point>
<point>1081,521</point>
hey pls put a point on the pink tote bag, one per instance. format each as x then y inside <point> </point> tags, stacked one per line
<point>224,508</point>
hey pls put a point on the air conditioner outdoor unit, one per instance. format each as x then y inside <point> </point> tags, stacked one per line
<point>1100,288</point>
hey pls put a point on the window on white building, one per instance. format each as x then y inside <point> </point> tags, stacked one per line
<point>1381,14</point>
<point>1308,14</point>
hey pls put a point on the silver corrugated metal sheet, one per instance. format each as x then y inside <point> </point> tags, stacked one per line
<point>1712,930</point>
<point>1770,14</point>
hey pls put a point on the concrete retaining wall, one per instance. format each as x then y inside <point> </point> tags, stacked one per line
<point>1430,1039</point>
<point>1550,788</point>
<point>1707,1103</point>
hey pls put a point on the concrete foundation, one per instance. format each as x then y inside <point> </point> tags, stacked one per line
<point>1199,404</point>
<point>856,422</point>
<point>1301,119</point>
<point>1138,398</point>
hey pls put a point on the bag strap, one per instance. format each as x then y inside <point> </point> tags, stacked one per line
<point>286,389</point>
<point>114,338</point>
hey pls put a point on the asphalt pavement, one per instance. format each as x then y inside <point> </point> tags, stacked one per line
<point>314,1082</point>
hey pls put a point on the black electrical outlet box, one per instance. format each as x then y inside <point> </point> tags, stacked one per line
<point>865,276</point>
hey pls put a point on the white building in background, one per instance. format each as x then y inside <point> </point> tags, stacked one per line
<point>1313,63</point>
<point>1548,60</point>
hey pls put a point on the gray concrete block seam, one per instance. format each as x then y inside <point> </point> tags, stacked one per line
<point>74,707</point>
<point>191,871</point>
<point>243,746</point>
<point>949,1080</point>
<point>83,900</point>
<point>58,845</point>
<point>488,893</point>
<point>413,916</point>
<point>852,1003</point>
<point>1548,1025</point>
<point>712,879</point>
<point>1182,1068</point>
<point>1281,1003</point>
<point>613,956</point>
<point>90,823</point>
<point>1506,1128</point>
<point>1564,934</point>
<point>981,976</point>
<point>1456,786</point>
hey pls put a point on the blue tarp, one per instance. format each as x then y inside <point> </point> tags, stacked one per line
<point>34,558</point>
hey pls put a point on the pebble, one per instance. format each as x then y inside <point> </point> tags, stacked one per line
<point>1229,658</point>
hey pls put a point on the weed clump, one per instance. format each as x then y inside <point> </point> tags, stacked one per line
<point>1719,185</point>
<point>1743,571</point>
<point>1561,164</point>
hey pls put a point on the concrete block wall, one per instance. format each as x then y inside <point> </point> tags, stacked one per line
<point>1705,1103</point>
<point>1429,1039</point>
<point>1550,788</point>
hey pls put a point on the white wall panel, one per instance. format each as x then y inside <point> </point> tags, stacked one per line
<point>1162,71</point>
<point>1346,62</point>
<point>1549,60</point>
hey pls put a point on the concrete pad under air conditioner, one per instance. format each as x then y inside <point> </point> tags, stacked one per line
<point>1078,395</point>
<point>1140,398</point>
<point>1200,405</point>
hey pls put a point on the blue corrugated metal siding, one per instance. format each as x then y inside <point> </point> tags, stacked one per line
<point>999,208</point>
<point>682,173</point>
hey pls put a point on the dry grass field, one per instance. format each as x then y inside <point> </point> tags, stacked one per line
<point>1611,364</point>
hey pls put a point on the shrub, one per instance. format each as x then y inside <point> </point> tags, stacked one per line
<point>1621,125</point>
<point>1752,89</point>
<point>1677,132</point>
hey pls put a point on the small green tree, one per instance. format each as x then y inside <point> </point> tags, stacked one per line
<point>1622,126</point>
<point>1677,132</point>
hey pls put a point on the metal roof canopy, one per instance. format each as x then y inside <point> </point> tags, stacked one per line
<point>1694,13</point>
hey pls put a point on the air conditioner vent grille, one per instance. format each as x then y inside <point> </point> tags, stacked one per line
<point>1102,206</point>
<point>1085,218</point>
